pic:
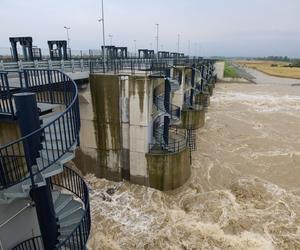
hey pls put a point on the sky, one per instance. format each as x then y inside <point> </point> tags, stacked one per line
<point>211,27</point>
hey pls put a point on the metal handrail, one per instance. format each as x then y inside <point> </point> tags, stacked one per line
<point>34,243</point>
<point>167,107</point>
<point>6,106</point>
<point>51,86</point>
<point>139,65</point>
<point>74,183</point>
<point>177,140</point>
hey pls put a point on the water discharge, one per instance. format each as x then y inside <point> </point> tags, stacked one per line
<point>244,192</point>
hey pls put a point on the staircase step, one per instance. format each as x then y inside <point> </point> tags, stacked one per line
<point>55,195</point>
<point>60,127</point>
<point>58,145</point>
<point>61,202</point>
<point>67,230</point>
<point>57,137</point>
<point>72,219</point>
<point>72,244</point>
<point>16,191</point>
<point>52,155</point>
<point>70,208</point>
<point>50,118</point>
<point>52,170</point>
<point>39,181</point>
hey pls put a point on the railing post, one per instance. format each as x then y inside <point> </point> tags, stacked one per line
<point>20,65</point>
<point>72,65</point>
<point>81,65</point>
<point>9,96</point>
<point>50,86</point>
<point>36,64</point>
<point>1,65</point>
<point>62,65</point>
<point>2,174</point>
<point>50,66</point>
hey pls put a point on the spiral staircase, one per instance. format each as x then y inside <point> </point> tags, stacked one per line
<point>165,137</point>
<point>24,168</point>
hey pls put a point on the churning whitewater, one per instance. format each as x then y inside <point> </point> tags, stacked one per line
<point>244,192</point>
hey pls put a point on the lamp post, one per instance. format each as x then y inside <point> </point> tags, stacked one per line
<point>68,37</point>
<point>134,41</point>
<point>67,29</point>
<point>103,31</point>
<point>157,38</point>
<point>178,41</point>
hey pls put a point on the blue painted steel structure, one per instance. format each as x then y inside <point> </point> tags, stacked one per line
<point>34,162</point>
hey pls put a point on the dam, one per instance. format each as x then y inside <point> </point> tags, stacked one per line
<point>122,119</point>
<point>149,125</point>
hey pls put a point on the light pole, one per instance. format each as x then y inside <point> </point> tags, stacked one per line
<point>110,36</point>
<point>157,38</point>
<point>68,37</point>
<point>103,31</point>
<point>178,41</point>
<point>134,41</point>
<point>67,29</point>
<point>189,47</point>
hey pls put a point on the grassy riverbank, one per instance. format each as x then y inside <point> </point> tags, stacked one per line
<point>273,68</point>
<point>229,71</point>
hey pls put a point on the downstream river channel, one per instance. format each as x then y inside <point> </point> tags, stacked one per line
<point>244,192</point>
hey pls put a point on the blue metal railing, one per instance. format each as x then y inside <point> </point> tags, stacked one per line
<point>6,104</point>
<point>166,107</point>
<point>171,141</point>
<point>73,182</point>
<point>50,86</point>
<point>132,66</point>
<point>77,239</point>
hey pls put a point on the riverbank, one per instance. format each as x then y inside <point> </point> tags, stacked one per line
<point>273,68</point>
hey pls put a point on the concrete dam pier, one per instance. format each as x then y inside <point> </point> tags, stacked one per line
<point>140,125</point>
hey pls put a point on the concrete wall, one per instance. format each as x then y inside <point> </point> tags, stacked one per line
<point>177,97</point>
<point>168,171</point>
<point>87,155</point>
<point>140,126</point>
<point>219,70</point>
<point>117,114</point>
<point>106,95</point>
<point>21,228</point>
<point>192,118</point>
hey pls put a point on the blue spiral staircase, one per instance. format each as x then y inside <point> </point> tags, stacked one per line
<point>166,138</point>
<point>37,161</point>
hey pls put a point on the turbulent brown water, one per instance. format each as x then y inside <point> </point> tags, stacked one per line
<point>244,192</point>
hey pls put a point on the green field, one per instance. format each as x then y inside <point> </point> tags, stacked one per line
<point>229,71</point>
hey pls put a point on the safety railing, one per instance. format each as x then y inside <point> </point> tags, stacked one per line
<point>165,106</point>
<point>170,140</point>
<point>74,183</point>
<point>34,243</point>
<point>62,129</point>
<point>6,103</point>
<point>71,181</point>
<point>131,66</point>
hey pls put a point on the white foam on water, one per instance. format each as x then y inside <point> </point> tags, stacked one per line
<point>224,205</point>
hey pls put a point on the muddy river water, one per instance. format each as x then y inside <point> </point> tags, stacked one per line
<point>244,192</point>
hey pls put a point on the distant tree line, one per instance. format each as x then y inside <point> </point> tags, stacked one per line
<point>292,62</point>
